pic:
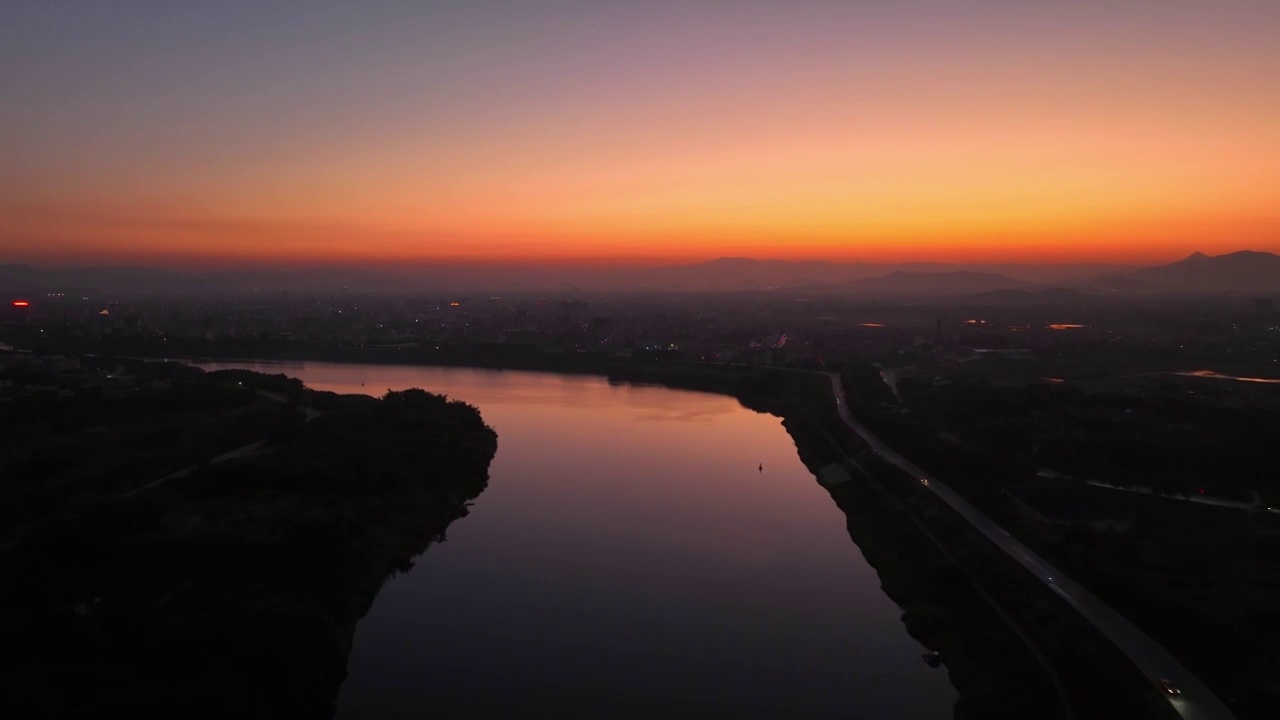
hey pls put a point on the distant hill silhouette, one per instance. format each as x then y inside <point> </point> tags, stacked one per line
<point>1235,272</point>
<point>739,273</point>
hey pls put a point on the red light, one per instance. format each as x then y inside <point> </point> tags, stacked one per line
<point>1201,491</point>
<point>21,303</point>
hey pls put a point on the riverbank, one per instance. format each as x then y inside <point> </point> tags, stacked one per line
<point>236,591</point>
<point>994,672</point>
<point>992,669</point>
<point>1091,677</point>
<point>1011,644</point>
<point>805,402</point>
<point>996,442</point>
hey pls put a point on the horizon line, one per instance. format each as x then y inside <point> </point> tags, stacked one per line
<point>637,263</point>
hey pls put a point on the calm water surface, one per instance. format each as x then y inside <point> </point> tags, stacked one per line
<point>629,557</point>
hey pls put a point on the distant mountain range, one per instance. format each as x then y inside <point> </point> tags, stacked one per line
<point>1240,272</point>
<point>1245,270</point>
<point>739,273</point>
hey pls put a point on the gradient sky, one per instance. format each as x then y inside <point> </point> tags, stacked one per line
<point>314,132</point>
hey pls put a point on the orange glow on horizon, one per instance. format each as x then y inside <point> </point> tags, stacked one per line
<point>971,132</point>
<point>65,237</point>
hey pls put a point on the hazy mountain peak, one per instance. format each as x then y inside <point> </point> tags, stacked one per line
<point>1243,271</point>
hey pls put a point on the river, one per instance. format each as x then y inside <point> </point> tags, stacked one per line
<point>630,557</point>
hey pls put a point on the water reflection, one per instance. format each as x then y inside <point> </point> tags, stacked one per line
<point>630,557</point>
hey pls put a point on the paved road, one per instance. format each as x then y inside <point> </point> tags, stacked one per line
<point>1196,701</point>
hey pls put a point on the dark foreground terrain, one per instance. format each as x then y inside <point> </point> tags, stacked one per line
<point>231,589</point>
<point>1156,491</point>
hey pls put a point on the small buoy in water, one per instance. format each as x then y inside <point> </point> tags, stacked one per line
<point>761,467</point>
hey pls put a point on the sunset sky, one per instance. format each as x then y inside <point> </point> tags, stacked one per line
<point>170,133</point>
